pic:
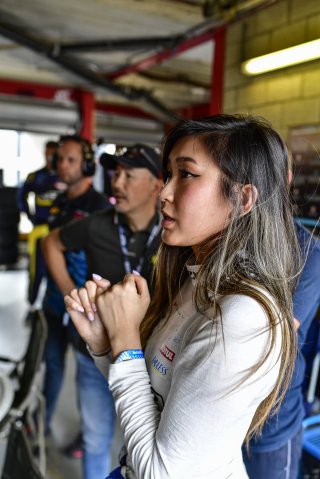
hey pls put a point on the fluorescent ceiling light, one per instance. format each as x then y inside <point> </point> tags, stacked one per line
<point>283,58</point>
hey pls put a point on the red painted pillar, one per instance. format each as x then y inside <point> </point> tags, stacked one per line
<point>87,108</point>
<point>216,98</point>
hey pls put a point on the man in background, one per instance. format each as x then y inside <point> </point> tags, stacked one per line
<point>115,241</point>
<point>75,166</point>
<point>276,453</point>
<point>35,198</point>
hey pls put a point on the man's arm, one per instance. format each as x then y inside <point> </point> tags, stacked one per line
<point>306,298</point>
<point>22,196</point>
<point>53,249</point>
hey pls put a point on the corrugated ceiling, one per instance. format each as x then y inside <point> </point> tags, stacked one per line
<point>178,82</point>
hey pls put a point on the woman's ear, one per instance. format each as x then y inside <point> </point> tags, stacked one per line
<point>249,195</point>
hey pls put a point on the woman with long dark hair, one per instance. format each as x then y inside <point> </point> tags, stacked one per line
<point>196,372</point>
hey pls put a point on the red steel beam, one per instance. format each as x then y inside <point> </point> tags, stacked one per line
<point>217,35</point>
<point>123,110</point>
<point>217,75</point>
<point>33,89</point>
<point>163,55</point>
<point>87,108</point>
<point>195,111</point>
<point>54,92</point>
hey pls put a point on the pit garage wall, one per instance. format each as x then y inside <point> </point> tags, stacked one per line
<point>289,97</point>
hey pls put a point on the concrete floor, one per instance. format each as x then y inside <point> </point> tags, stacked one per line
<point>13,342</point>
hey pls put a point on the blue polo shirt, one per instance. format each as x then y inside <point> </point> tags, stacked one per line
<point>306,300</point>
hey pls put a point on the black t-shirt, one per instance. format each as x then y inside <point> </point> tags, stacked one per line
<point>64,209</point>
<point>98,236</point>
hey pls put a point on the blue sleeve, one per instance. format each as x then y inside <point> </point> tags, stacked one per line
<point>22,195</point>
<point>306,298</point>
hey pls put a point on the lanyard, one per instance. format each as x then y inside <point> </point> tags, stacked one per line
<point>125,252</point>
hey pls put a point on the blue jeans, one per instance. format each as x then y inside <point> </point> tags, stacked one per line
<point>54,356</point>
<point>281,463</point>
<point>97,416</point>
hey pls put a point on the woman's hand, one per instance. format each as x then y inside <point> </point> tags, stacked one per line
<point>81,305</point>
<point>122,309</point>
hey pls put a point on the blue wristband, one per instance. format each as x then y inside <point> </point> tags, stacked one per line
<point>129,354</point>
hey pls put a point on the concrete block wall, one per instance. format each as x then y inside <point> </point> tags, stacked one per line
<point>288,97</point>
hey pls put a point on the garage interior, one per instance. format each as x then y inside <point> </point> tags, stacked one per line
<point>120,72</point>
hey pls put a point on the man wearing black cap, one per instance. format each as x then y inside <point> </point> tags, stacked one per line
<point>116,242</point>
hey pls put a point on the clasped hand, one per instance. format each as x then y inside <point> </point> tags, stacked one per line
<point>109,316</point>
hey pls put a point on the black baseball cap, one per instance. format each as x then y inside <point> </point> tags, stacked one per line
<point>136,156</point>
